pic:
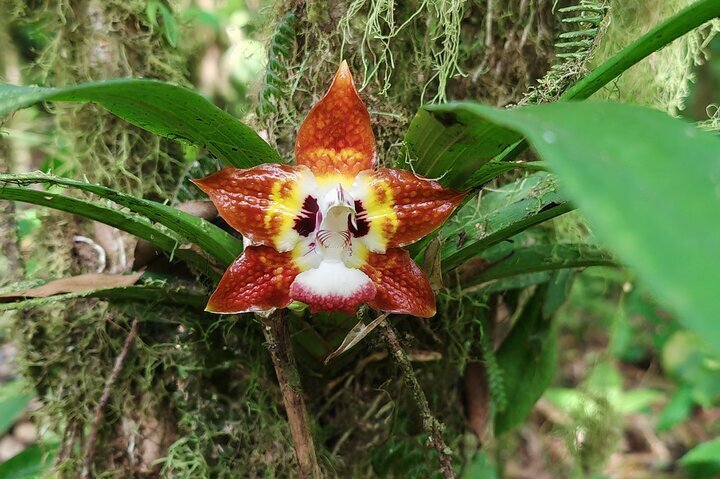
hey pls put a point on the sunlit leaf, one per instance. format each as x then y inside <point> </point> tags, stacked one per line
<point>167,110</point>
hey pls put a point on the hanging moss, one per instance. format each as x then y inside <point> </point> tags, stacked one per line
<point>661,80</point>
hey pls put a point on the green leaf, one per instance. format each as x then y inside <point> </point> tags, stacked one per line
<point>538,258</point>
<point>527,359</point>
<point>169,24</point>
<point>677,410</point>
<point>666,32</point>
<point>167,110</point>
<point>703,461</point>
<point>435,141</point>
<point>14,398</point>
<point>209,237</point>
<point>151,290</point>
<point>499,215</point>
<point>132,224</point>
<point>452,149</point>
<point>30,463</point>
<point>647,183</point>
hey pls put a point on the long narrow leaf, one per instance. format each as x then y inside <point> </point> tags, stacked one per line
<point>167,110</point>
<point>132,224</point>
<point>536,259</point>
<point>666,32</point>
<point>209,237</point>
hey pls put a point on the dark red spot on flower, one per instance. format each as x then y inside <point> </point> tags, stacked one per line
<point>363,226</point>
<point>307,219</point>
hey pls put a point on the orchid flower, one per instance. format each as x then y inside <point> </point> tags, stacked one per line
<point>328,232</point>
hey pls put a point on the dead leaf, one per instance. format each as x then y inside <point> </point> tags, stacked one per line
<point>477,399</point>
<point>76,284</point>
<point>356,334</point>
<point>431,264</point>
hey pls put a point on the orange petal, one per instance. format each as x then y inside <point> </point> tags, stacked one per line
<point>402,287</point>
<point>399,207</point>
<point>258,280</point>
<point>270,204</point>
<point>336,137</point>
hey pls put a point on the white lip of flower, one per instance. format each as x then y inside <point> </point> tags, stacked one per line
<point>328,252</point>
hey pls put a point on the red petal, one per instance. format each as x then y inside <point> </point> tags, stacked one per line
<point>402,287</point>
<point>403,207</point>
<point>336,137</point>
<point>262,202</point>
<point>258,280</point>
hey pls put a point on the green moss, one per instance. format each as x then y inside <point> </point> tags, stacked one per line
<point>660,81</point>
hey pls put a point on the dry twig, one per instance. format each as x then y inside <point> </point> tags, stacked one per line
<point>432,426</point>
<point>117,367</point>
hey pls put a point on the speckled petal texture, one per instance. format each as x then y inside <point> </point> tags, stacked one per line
<point>336,137</point>
<point>259,280</point>
<point>263,203</point>
<point>403,207</point>
<point>402,287</point>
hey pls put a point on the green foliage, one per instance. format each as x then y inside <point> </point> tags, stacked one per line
<point>167,110</point>
<point>686,20</point>
<point>281,45</point>
<point>30,463</point>
<point>212,239</point>
<point>454,152</point>
<point>496,216</point>
<point>527,359</point>
<point>630,191</point>
<point>514,260</point>
<point>703,461</point>
<point>14,398</point>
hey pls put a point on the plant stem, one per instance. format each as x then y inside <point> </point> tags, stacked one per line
<point>104,398</point>
<point>663,34</point>
<point>671,29</point>
<point>277,335</point>
<point>432,426</point>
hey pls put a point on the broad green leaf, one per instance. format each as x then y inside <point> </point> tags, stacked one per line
<point>648,185</point>
<point>499,215</point>
<point>451,149</point>
<point>30,463</point>
<point>167,110</point>
<point>209,237</point>
<point>130,223</point>
<point>14,398</point>
<point>527,359</point>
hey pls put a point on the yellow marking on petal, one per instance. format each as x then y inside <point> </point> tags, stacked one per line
<point>377,199</point>
<point>358,256</point>
<point>344,160</point>
<point>286,202</point>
